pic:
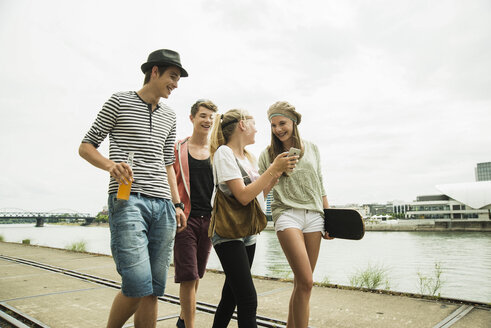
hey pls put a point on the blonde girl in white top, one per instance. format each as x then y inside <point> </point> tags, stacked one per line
<point>231,133</point>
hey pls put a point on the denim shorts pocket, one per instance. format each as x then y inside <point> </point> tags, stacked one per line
<point>129,243</point>
<point>115,205</point>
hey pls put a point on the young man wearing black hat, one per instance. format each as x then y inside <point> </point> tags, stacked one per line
<point>142,227</point>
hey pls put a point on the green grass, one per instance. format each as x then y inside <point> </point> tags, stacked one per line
<point>1,238</point>
<point>287,275</point>
<point>80,246</point>
<point>431,285</point>
<point>325,282</point>
<point>279,272</point>
<point>26,241</point>
<point>373,277</point>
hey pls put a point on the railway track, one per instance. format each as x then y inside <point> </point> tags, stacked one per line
<point>11,317</point>
<point>22,320</point>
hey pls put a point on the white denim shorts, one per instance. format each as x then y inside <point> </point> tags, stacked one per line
<point>304,220</point>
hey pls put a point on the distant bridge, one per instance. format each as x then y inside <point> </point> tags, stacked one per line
<point>42,217</point>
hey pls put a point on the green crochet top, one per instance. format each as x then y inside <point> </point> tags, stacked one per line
<point>303,188</point>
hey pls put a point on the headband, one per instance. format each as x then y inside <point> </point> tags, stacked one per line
<point>291,118</point>
<point>229,122</point>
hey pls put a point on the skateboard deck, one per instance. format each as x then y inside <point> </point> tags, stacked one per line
<point>344,223</point>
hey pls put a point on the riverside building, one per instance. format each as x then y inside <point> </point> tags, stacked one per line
<point>483,171</point>
<point>458,201</point>
<point>269,199</point>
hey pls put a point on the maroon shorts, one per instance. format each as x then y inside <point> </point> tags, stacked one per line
<point>192,249</point>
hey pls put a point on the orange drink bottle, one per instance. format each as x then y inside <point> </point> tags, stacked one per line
<point>125,189</point>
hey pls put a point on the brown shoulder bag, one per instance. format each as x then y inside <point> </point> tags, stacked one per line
<point>231,219</point>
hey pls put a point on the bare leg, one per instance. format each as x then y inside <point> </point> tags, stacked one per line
<point>146,314</point>
<point>313,245</point>
<point>122,309</point>
<point>301,251</point>
<point>289,322</point>
<point>187,297</point>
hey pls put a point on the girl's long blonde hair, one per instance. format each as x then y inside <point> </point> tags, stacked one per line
<point>223,127</point>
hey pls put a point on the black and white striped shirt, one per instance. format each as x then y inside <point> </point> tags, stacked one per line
<point>132,126</point>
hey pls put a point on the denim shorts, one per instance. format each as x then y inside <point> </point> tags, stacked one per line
<point>248,241</point>
<point>142,237</point>
<point>303,220</point>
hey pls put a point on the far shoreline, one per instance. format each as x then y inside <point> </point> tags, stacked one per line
<point>431,225</point>
<point>396,226</point>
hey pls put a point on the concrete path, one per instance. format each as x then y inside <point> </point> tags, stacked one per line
<point>58,300</point>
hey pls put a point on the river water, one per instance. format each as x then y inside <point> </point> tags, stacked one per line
<point>464,257</point>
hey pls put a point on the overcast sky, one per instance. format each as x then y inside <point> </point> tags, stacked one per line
<point>397,94</point>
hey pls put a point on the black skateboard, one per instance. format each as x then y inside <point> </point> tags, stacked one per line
<point>344,223</point>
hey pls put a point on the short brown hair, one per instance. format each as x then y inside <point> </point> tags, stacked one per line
<point>205,103</point>
<point>148,74</point>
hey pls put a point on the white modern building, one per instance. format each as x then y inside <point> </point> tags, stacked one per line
<point>458,201</point>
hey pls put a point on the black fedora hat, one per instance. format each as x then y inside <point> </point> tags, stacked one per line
<point>164,57</point>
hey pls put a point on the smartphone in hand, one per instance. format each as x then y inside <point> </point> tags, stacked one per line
<point>294,152</point>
